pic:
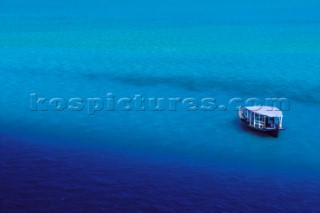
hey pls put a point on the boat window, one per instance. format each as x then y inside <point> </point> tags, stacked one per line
<point>260,118</point>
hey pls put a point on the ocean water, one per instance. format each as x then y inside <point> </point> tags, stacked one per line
<point>151,161</point>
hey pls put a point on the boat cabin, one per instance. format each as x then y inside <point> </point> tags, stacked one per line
<point>262,117</point>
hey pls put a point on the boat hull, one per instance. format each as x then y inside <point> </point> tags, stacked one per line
<point>271,132</point>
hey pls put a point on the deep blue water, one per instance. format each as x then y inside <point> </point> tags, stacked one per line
<point>149,161</point>
<point>63,177</point>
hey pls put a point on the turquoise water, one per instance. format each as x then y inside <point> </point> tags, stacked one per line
<point>181,160</point>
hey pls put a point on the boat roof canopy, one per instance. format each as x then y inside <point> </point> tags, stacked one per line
<point>266,111</point>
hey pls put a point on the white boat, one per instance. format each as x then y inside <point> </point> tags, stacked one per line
<point>263,118</point>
